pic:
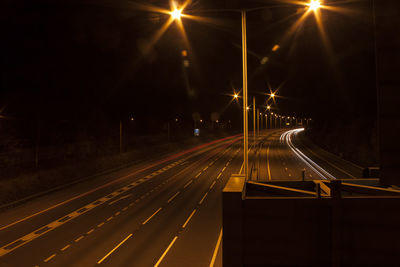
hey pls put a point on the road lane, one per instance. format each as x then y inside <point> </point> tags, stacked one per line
<point>152,242</point>
<point>172,218</point>
<point>114,206</point>
<point>196,245</point>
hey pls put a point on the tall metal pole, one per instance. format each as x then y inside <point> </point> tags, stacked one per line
<point>254,120</point>
<point>270,120</point>
<point>258,122</point>
<point>245,122</point>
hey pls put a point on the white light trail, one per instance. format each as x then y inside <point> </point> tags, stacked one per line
<point>287,136</point>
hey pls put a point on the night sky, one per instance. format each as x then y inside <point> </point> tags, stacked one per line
<point>73,63</point>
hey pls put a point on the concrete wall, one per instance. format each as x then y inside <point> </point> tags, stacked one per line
<point>310,231</point>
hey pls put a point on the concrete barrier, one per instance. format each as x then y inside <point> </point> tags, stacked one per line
<point>350,224</point>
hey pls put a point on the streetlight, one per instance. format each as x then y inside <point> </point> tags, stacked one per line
<point>235,96</point>
<point>176,14</point>
<point>270,120</point>
<point>266,121</point>
<point>245,118</point>
<point>314,5</point>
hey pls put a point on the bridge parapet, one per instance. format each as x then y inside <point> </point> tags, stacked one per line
<point>310,223</point>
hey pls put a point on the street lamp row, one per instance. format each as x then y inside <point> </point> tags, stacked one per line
<point>176,14</point>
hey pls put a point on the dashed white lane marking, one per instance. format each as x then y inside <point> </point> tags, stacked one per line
<point>79,238</point>
<point>148,219</point>
<point>166,251</point>
<point>188,183</point>
<point>212,185</point>
<point>198,175</point>
<point>201,201</point>
<point>174,196</point>
<point>49,258</point>
<point>109,253</point>
<point>188,219</point>
<point>65,248</point>
<point>90,231</point>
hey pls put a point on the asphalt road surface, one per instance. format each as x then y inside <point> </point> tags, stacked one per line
<point>164,213</point>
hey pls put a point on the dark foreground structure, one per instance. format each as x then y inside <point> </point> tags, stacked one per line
<point>310,223</point>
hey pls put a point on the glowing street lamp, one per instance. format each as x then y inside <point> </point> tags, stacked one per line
<point>236,96</point>
<point>314,5</point>
<point>176,14</point>
<point>272,95</point>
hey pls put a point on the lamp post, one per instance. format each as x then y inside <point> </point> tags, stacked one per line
<point>258,122</point>
<point>176,15</point>
<point>245,122</point>
<point>270,119</point>
<point>266,121</point>
<point>254,120</point>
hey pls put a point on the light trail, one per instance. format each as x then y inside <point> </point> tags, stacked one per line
<point>287,137</point>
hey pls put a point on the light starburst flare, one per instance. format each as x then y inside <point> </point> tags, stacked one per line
<point>176,13</point>
<point>314,5</point>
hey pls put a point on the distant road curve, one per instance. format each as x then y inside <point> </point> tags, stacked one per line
<point>287,137</point>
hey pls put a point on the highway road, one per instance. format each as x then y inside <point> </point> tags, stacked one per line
<point>161,213</point>
<point>284,155</point>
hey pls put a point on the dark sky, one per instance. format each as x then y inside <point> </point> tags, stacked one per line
<point>83,60</point>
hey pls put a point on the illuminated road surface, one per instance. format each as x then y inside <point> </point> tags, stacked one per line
<point>166,213</point>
